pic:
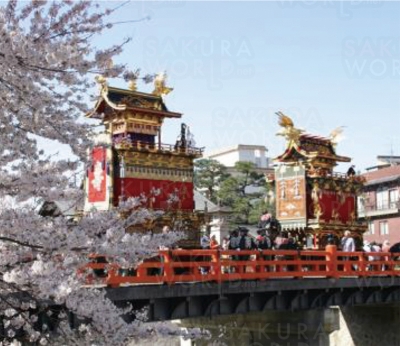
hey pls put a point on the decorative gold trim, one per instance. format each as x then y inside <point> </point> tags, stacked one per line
<point>159,173</point>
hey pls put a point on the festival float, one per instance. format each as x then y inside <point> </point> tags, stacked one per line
<point>314,203</point>
<point>133,161</point>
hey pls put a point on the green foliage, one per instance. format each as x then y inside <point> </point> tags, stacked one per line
<point>239,191</point>
<point>258,209</point>
<point>208,175</point>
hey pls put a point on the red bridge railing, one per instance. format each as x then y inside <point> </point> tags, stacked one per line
<point>179,266</point>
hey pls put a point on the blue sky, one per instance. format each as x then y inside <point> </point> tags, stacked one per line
<point>234,64</point>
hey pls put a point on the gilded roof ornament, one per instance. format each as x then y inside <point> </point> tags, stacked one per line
<point>336,135</point>
<point>289,131</point>
<point>132,85</point>
<point>102,81</point>
<point>160,87</point>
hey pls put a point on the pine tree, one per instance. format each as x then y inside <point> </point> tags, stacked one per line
<point>242,191</point>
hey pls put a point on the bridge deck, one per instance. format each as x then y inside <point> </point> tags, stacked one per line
<point>190,283</point>
<point>198,289</point>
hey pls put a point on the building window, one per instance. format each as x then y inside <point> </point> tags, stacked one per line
<point>382,199</point>
<point>360,204</point>
<point>393,198</point>
<point>383,228</point>
<point>371,227</point>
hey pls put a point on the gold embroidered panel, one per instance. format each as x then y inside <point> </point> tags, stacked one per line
<point>291,194</point>
<point>157,160</point>
<point>156,173</point>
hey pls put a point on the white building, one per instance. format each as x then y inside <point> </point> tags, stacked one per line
<point>256,154</point>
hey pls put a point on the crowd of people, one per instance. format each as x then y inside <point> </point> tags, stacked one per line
<point>348,245</point>
<point>271,237</point>
<point>241,239</point>
<point>268,238</point>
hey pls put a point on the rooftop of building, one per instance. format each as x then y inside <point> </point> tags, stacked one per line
<point>384,161</point>
<point>381,175</point>
<point>388,157</point>
<point>316,149</point>
<point>202,203</point>
<point>234,148</point>
<point>120,99</point>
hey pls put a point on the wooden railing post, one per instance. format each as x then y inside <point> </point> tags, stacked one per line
<point>112,276</point>
<point>363,259</point>
<point>141,271</point>
<point>216,265</point>
<point>298,266</point>
<point>259,257</point>
<point>167,268</point>
<point>331,259</point>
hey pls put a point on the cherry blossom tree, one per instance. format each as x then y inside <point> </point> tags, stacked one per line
<point>47,63</point>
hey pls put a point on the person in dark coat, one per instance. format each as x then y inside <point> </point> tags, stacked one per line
<point>233,243</point>
<point>395,248</point>
<point>265,220</point>
<point>245,243</point>
<point>351,172</point>
<point>262,240</point>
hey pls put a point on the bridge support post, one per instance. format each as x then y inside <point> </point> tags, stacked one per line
<point>368,325</point>
<point>272,328</point>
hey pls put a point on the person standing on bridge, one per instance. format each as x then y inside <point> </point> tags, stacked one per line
<point>367,248</point>
<point>233,240</point>
<point>348,245</point>
<point>233,244</point>
<point>347,242</point>
<point>205,245</point>
<point>214,245</point>
<point>246,242</point>
<point>263,243</point>
<point>386,248</point>
<point>205,241</point>
<point>265,220</point>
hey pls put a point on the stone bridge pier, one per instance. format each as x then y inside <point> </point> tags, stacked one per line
<point>274,328</point>
<point>336,326</point>
<point>374,325</point>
